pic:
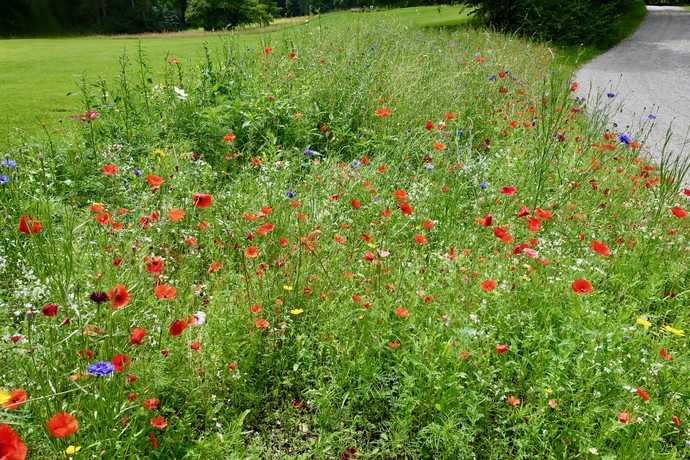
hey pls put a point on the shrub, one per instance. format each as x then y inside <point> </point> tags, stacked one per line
<point>222,14</point>
<point>570,23</point>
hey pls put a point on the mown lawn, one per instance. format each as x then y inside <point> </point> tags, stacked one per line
<point>365,240</point>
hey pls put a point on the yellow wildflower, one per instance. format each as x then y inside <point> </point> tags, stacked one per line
<point>71,450</point>
<point>4,396</point>
<point>296,311</point>
<point>287,288</point>
<point>643,321</point>
<point>673,330</point>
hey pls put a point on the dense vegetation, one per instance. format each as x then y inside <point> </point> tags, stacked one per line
<point>572,22</point>
<point>358,240</point>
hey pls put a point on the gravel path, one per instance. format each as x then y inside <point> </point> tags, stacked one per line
<point>649,73</point>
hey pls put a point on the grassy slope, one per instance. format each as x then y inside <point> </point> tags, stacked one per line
<point>38,74</point>
<point>424,382</point>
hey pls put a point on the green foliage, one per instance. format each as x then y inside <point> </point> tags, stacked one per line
<point>225,14</point>
<point>564,22</point>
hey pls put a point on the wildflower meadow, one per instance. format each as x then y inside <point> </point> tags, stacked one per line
<point>359,240</point>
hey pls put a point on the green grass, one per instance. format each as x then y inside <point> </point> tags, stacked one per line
<point>418,246</point>
<point>40,76</point>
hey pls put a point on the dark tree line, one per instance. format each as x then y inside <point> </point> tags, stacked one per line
<point>45,17</point>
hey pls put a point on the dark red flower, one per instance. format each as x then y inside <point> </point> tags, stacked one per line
<point>49,309</point>
<point>177,327</point>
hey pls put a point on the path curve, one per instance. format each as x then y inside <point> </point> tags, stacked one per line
<point>648,74</point>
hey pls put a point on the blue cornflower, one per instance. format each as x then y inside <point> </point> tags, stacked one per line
<point>137,172</point>
<point>651,116</point>
<point>625,139</point>
<point>9,163</point>
<point>290,194</point>
<point>308,152</point>
<point>356,164</point>
<point>610,95</point>
<point>483,186</point>
<point>4,180</point>
<point>492,78</point>
<point>100,368</point>
<point>429,167</point>
<point>459,132</point>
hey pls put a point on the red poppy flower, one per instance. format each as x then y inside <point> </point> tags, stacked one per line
<point>676,420</point>
<point>261,323</point>
<point>488,285</point>
<point>28,225</point>
<point>501,348</point>
<point>202,200</point>
<point>523,211</point>
<point>11,445</point>
<point>485,221</point>
<point>383,112</point>
<point>503,235</point>
<point>251,252</point>
<point>49,309</point>
<point>642,394</point>
<point>368,256</point>
<point>120,362</point>
<point>214,267</point>
<point>508,191</point>
<point>292,55</point>
<point>678,212</point>
<point>439,146</point>
<point>665,355</point>
<point>512,401</point>
<point>109,169</point>
<point>429,125</point>
<point>420,239</point>
<point>405,208</point>
<point>355,203</point>
<point>623,417</point>
<point>196,346</point>
<point>62,425</point>
<point>159,422</point>
<point>265,229</point>
<point>600,248</point>
<point>154,181</point>
<point>118,296</point>
<point>546,215</point>
<point>136,335</point>
<point>154,264</point>
<point>177,327</point>
<point>151,404</point>
<point>176,214</point>
<point>427,224</point>
<point>533,225</point>
<point>17,398</point>
<point>165,292</point>
<point>401,312</point>
<point>581,286</point>
<point>229,137</point>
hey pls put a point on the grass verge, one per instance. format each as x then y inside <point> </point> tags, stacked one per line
<point>360,240</point>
